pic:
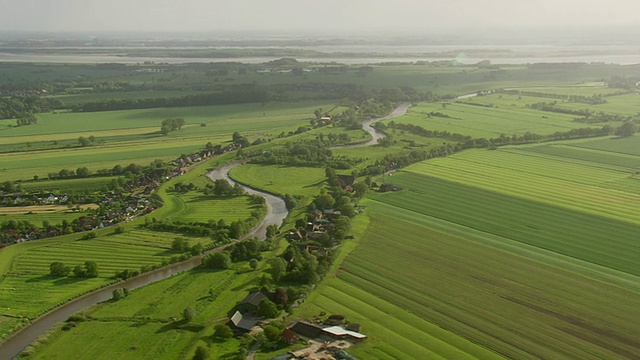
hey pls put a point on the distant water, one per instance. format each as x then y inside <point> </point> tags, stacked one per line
<point>464,54</point>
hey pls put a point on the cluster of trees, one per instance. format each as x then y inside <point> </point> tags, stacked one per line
<point>23,107</point>
<point>182,245</point>
<point>602,117</point>
<point>247,250</point>
<point>27,119</point>
<point>595,99</point>
<point>222,187</point>
<point>300,267</point>
<point>622,82</point>
<point>551,107</point>
<point>169,125</point>
<point>233,95</point>
<point>88,270</point>
<point>312,153</point>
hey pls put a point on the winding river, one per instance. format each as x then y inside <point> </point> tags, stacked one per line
<point>276,213</point>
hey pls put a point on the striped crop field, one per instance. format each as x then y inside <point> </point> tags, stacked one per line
<point>26,289</point>
<point>437,295</point>
<point>517,253</point>
<point>558,207</point>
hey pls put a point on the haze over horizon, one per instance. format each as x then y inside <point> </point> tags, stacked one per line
<point>329,16</point>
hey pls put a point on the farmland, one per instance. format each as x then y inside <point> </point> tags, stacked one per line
<point>524,251</point>
<point>133,136</point>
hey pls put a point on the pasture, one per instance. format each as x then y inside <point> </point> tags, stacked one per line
<point>141,325</point>
<point>305,181</point>
<point>201,208</point>
<point>479,121</point>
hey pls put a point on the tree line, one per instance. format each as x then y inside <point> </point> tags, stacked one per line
<point>236,95</point>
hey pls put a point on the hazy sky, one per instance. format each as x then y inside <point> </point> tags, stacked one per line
<point>313,15</point>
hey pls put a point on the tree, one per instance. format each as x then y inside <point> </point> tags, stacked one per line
<point>119,293</point>
<point>222,331</point>
<point>272,333</point>
<point>58,269</point>
<point>268,309</point>
<point>83,172</point>
<point>91,269</point>
<point>278,268</point>
<point>324,202</point>
<point>218,260</point>
<point>253,263</point>
<point>84,141</point>
<point>627,129</point>
<point>282,298</point>
<point>188,314</point>
<point>78,271</point>
<point>272,230</point>
<point>201,354</point>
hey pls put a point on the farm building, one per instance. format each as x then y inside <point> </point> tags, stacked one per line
<point>251,302</point>
<point>241,322</point>
<point>340,332</point>
<point>307,330</point>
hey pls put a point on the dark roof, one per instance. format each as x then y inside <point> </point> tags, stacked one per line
<point>253,298</point>
<point>306,329</point>
<point>241,322</point>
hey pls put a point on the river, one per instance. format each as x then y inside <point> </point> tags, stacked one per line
<point>10,348</point>
<point>276,213</point>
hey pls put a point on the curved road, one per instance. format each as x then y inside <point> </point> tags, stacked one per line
<point>276,213</point>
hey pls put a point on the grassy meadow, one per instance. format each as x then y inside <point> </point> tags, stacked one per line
<point>146,317</point>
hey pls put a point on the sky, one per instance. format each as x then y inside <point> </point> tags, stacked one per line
<point>312,15</point>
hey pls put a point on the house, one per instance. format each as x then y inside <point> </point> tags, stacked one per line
<point>251,302</point>
<point>242,323</point>
<point>326,119</point>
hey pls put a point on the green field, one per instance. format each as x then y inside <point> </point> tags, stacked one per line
<point>201,208</point>
<point>281,179</point>
<point>478,121</point>
<point>145,316</point>
<point>69,186</point>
